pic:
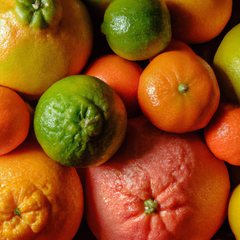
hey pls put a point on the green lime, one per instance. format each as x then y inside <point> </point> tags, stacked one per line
<point>226,64</point>
<point>137,29</point>
<point>80,121</point>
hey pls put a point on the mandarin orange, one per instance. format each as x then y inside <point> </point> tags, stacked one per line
<point>222,133</point>
<point>198,21</point>
<point>14,120</point>
<point>178,91</point>
<point>120,74</point>
<point>39,198</point>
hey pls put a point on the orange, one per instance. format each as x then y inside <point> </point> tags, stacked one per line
<point>120,74</point>
<point>42,42</point>
<point>158,186</point>
<point>176,45</point>
<point>222,133</point>
<point>198,21</point>
<point>14,120</point>
<point>39,198</point>
<point>178,91</point>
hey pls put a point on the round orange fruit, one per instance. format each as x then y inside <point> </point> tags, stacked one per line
<point>178,91</point>
<point>14,121</point>
<point>120,74</point>
<point>39,198</point>
<point>198,21</point>
<point>222,133</point>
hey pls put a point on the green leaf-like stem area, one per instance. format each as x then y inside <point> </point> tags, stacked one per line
<point>17,211</point>
<point>36,13</point>
<point>150,206</point>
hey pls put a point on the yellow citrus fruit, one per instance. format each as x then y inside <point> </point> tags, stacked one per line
<point>226,65</point>
<point>39,198</point>
<point>42,42</point>
<point>80,121</point>
<point>137,29</point>
<point>234,212</point>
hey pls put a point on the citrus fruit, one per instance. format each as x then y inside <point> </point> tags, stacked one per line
<point>137,29</point>
<point>198,21</point>
<point>226,65</point>
<point>158,186</point>
<point>42,42</point>
<point>120,74</point>
<point>176,44</point>
<point>222,133</point>
<point>39,198</point>
<point>80,121</point>
<point>178,91</point>
<point>234,211</point>
<point>14,121</point>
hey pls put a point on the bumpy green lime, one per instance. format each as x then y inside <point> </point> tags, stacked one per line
<point>80,121</point>
<point>137,29</point>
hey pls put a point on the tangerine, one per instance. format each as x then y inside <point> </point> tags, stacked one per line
<point>14,120</point>
<point>39,198</point>
<point>199,21</point>
<point>176,98</point>
<point>222,133</point>
<point>120,74</point>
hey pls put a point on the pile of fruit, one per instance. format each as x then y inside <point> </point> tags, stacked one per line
<point>119,119</point>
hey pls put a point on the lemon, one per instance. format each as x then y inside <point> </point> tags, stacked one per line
<point>138,29</point>
<point>234,212</point>
<point>80,121</point>
<point>226,64</point>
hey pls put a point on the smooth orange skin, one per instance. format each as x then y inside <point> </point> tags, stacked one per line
<point>198,21</point>
<point>48,195</point>
<point>14,120</point>
<point>120,74</point>
<point>190,185</point>
<point>222,133</point>
<point>166,107</point>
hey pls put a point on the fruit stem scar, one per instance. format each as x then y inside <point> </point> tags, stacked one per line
<point>183,88</point>
<point>17,211</point>
<point>150,206</point>
<point>37,4</point>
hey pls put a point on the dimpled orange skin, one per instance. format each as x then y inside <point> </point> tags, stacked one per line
<point>222,133</point>
<point>190,185</point>
<point>160,99</point>
<point>39,198</point>
<point>31,60</point>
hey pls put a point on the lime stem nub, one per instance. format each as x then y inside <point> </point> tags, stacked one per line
<point>183,88</point>
<point>37,4</point>
<point>150,206</point>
